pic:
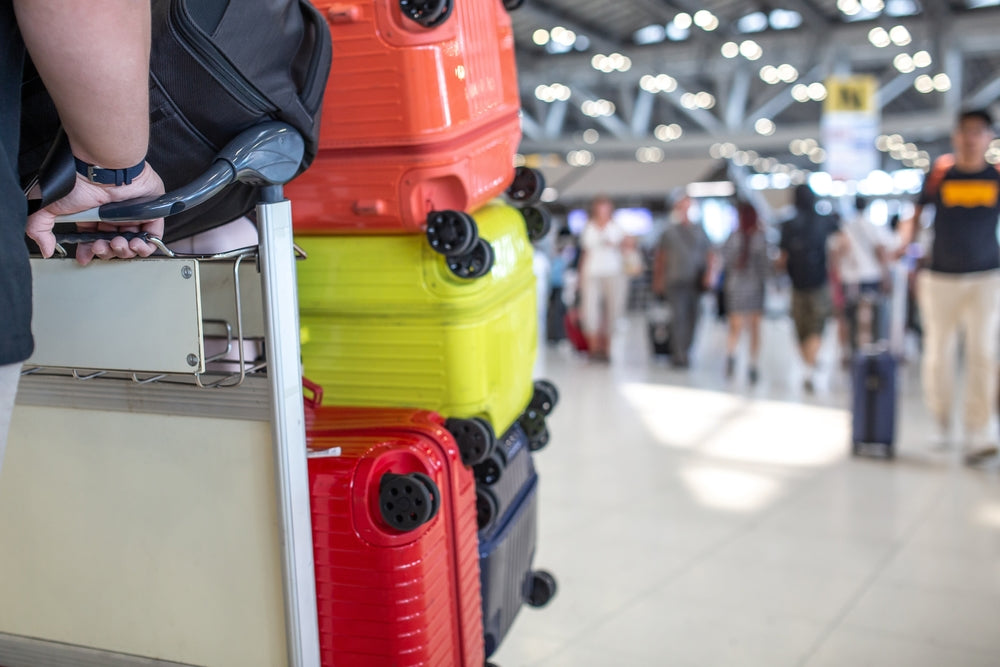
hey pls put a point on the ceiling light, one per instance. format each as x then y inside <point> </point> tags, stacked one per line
<point>800,92</point>
<point>730,50</point>
<point>924,84</point>
<point>879,37</point>
<point>942,82</point>
<point>922,59</point>
<point>598,108</point>
<point>580,158</point>
<point>785,19</point>
<point>668,132</point>
<point>817,156</point>
<point>651,34</point>
<point>849,7</point>
<point>703,17</point>
<point>904,63</point>
<point>787,73</point>
<point>683,21</point>
<point>900,36</point>
<point>540,37</point>
<point>769,74</point>
<point>873,6</point>
<point>817,92</point>
<point>688,101</point>
<point>649,154</point>
<point>751,50</point>
<point>764,126</point>
<point>591,136</point>
<point>707,100</point>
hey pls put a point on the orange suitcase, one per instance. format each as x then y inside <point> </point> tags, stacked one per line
<point>420,124</point>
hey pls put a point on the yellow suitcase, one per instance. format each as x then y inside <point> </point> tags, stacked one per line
<point>385,322</point>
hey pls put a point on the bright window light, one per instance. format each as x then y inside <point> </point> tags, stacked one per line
<point>755,22</point>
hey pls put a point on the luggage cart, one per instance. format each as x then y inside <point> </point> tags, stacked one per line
<point>154,508</point>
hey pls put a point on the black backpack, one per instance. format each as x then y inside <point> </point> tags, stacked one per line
<point>216,68</point>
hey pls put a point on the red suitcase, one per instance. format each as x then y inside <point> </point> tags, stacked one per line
<point>394,531</point>
<point>415,119</point>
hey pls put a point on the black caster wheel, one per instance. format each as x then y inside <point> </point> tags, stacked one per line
<point>538,220</point>
<point>474,264</point>
<point>533,423</point>
<point>527,186</point>
<point>540,440</point>
<point>489,471</point>
<point>408,501</point>
<point>475,438</point>
<point>545,398</point>
<point>451,233</point>
<point>511,5</point>
<point>541,587</point>
<point>428,13</point>
<point>487,509</point>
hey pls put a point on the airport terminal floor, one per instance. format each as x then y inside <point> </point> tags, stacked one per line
<point>692,521</point>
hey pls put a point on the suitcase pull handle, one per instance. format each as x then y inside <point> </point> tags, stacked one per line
<point>316,399</point>
<point>343,14</point>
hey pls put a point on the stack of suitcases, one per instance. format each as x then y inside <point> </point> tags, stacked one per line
<point>419,328</point>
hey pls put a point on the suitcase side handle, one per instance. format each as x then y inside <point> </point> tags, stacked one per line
<point>316,400</point>
<point>263,155</point>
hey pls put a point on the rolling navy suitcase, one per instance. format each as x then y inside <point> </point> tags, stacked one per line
<point>873,376</point>
<point>507,503</point>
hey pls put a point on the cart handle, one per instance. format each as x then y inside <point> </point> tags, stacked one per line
<point>266,154</point>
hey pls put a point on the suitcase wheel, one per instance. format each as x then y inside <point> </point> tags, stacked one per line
<point>476,263</point>
<point>541,587</point>
<point>538,220</point>
<point>428,13</point>
<point>533,423</point>
<point>451,233</point>
<point>489,471</point>
<point>540,440</point>
<point>475,438</point>
<point>408,501</point>
<point>487,509</point>
<point>545,398</point>
<point>528,183</point>
<point>511,5</point>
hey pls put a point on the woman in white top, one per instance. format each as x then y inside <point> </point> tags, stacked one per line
<point>603,281</point>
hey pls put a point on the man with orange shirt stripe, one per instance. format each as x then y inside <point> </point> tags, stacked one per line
<point>960,291</point>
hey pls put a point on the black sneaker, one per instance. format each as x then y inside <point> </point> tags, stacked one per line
<point>752,376</point>
<point>730,367</point>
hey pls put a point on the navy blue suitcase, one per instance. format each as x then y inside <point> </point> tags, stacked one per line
<point>507,503</point>
<point>874,403</point>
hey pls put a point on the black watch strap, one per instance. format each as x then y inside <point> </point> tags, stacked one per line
<point>108,176</point>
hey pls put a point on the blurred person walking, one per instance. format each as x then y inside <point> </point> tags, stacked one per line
<point>745,258</point>
<point>960,289</point>
<point>603,283</point>
<point>681,274</point>
<point>862,252</point>
<point>803,254</point>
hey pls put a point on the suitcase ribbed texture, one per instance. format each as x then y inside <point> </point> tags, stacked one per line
<point>384,322</point>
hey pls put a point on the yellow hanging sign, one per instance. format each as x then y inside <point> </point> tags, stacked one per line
<point>855,94</point>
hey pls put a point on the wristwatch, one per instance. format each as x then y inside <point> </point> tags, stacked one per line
<point>104,176</point>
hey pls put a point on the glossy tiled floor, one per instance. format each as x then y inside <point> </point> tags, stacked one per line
<point>694,522</point>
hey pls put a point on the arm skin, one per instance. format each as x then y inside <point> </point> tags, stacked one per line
<point>94,60</point>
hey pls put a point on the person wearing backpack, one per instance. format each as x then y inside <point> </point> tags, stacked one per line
<point>94,59</point>
<point>803,254</point>
<point>960,289</point>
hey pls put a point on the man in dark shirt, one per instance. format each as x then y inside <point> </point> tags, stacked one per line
<point>94,60</point>
<point>803,255</point>
<point>960,290</point>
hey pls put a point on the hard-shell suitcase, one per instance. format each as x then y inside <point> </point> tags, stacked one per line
<point>433,115</point>
<point>385,322</point>
<point>394,534</point>
<point>574,331</point>
<point>874,403</point>
<point>507,509</point>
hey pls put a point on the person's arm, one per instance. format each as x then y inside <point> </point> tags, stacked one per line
<point>94,61</point>
<point>908,230</point>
